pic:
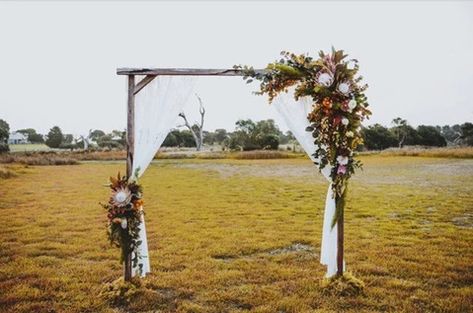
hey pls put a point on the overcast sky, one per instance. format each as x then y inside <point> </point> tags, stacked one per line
<point>58,60</point>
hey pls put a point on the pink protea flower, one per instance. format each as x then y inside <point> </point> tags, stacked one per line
<point>337,120</point>
<point>121,197</point>
<point>345,106</point>
<point>342,169</point>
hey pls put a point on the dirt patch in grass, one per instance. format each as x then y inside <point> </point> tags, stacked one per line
<point>464,221</point>
<point>295,248</point>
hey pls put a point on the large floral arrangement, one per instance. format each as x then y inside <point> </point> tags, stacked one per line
<point>340,106</point>
<point>124,211</point>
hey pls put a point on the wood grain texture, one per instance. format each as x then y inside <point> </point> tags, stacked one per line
<point>130,147</point>
<point>142,83</point>
<point>182,71</point>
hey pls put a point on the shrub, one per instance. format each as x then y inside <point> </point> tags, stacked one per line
<point>4,148</point>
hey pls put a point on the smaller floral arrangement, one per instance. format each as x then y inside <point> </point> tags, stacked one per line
<point>124,212</point>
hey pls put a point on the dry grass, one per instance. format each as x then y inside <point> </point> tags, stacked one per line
<point>40,159</point>
<point>71,157</point>
<point>228,240</point>
<point>446,152</point>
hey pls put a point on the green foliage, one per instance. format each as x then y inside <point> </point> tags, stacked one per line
<point>32,135</point>
<point>96,134</point>
<point>452,134</point>
<point>55,137</point>
<point>430,136</point>
<point>4,131</point>
<point>378,137</point>
<point>106,141</point>
<point>179,138</point>
<point>467,134</point>
<point>124,218</point>
<point>249,135</point>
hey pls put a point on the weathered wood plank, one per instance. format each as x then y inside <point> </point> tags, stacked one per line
<point>130,147</point>
<point>142,83</point>
<point>182,71</point>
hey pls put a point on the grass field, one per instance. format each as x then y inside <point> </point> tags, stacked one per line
<point>29,147</point>
<point>242,236</point>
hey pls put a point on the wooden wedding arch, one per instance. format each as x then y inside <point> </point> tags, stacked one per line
<point>135,87</point>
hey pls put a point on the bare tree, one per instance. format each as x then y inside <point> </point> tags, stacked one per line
<point>86,140</point>
<point>197,130</point>
<point>400,130</point>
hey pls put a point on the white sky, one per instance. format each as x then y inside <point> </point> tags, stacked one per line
<point>58,60</point>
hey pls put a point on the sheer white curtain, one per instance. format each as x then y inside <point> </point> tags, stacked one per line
<point>156,112</point>
<point>295,114</point>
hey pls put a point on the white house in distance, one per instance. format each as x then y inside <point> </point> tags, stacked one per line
<point>16,138</point>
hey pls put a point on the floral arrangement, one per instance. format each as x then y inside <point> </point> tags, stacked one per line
<point>124,211</point>
<point>340,106</point>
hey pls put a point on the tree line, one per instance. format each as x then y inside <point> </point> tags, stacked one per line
<point>253,135</point>
<point>400,134</point>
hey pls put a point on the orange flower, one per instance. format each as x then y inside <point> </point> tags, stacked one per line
<point>138,203</point>
<point>327,103</point>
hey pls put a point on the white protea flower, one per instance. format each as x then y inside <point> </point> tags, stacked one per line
<point>344,88</point>
<point>342,160</point>
<point>345,121</point>
<point>124,223</point>
<point>121,197</point>
<point>352,104</point>
<point>325,79</point>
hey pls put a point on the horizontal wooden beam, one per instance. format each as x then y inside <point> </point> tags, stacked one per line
<point>181,71</point>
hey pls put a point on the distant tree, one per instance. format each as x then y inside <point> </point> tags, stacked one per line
<point>249,135</point>
<point>430,136</point>
<point>96,134</point>
<point>467,134</point>
<point>68,138</point>
<point>54,137</point>
<point>285,138</point>
<point>171,139</point>
<point>197,130</point>
<point>220,135</point>
<point>119,136</point>
<point>186,139</point>
<point>451,134</point>
<point>4,134</point>
<point>268,141</point>
<point>32,135</point>
<point>399,129</point>
<point>84,141</point>
<point>405,134</point>
<point>243,138</point>
<point>106,141</point>
<point>209,138</point>
<point>267,134</point>
<point>378,137</point>
<point>4,131</point>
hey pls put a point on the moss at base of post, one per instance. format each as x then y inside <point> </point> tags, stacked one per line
<point>343,285</point>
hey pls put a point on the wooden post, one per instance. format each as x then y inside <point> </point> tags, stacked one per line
<point>340,231</point>
<point>130,144</point>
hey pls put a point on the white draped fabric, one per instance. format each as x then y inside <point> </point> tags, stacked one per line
<point>156,112</point>
<point>295,114</point>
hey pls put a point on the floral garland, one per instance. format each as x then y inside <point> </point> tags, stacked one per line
<point>340,106</point>
<point>125,208</point>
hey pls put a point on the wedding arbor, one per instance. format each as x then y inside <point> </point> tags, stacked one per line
<point>320,101</point>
